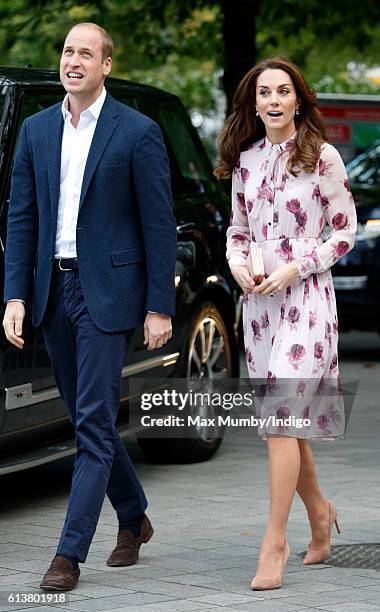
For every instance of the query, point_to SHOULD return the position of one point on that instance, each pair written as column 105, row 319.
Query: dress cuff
column 308, row 264
column 237, row 260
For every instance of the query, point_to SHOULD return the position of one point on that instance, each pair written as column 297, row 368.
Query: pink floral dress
column 292, row 337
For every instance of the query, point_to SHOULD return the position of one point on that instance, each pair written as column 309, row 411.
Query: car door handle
column 185, row 227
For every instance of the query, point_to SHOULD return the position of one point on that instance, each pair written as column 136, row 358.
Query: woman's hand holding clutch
column 278, row 280
column 244, row 279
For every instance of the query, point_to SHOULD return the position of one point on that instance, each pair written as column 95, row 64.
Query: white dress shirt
column 76, row 142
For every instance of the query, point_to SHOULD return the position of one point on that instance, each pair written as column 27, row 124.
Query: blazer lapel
column 54, row 129
column 105, row 127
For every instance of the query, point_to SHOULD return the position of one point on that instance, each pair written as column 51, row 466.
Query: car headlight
column 369, row 229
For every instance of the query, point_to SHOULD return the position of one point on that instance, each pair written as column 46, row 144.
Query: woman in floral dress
column 287, row 183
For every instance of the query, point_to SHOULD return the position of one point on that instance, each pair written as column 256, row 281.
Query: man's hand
column 12, row 323
column 278, row 280
column 157, row 330
column 244, row 279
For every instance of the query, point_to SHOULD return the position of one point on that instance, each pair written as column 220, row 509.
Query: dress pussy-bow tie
column 266, row 191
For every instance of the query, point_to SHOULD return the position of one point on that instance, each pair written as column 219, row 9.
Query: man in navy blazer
column 92, row 242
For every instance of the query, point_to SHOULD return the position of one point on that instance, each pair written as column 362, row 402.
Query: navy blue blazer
column 126, row 230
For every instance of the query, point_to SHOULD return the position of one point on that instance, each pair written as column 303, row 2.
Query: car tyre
column 208, row 349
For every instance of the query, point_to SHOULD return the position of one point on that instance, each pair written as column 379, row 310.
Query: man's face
column 82, row 68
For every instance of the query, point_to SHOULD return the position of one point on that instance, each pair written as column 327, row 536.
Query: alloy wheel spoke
column 202, row 337
column 196, row 360
column 210, row 339
column 217, row 352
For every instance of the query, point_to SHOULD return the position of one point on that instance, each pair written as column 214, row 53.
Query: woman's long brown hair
column 243, row 127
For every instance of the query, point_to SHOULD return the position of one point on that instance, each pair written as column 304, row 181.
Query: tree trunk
column 239, row 35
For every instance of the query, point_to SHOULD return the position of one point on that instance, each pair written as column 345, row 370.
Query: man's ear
column 107, row 66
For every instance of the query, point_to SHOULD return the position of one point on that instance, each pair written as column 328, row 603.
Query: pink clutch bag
column 255, row 262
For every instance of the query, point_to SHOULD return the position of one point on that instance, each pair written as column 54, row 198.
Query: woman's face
column 276, row 103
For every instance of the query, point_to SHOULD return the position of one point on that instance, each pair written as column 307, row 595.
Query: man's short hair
column 107, row 42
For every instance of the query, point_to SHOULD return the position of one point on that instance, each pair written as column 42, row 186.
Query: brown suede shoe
column 128, row 547
column 61, row 576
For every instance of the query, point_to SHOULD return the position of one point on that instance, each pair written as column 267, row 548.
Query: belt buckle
column 63, row 269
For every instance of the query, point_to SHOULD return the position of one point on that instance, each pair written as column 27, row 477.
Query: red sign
column 353, row 113
column 338, row 132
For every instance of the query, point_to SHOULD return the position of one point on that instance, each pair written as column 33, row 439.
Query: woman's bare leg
column 308, row 489
column 284, row 469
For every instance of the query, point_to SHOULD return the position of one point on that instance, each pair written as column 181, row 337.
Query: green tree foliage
column 179, row 44
column 323, row 38
column 156, row 42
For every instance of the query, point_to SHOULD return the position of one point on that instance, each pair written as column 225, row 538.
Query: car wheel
column 208, row 351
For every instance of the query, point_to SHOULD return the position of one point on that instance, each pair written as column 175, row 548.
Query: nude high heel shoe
column 317, row 555
column 276, row 583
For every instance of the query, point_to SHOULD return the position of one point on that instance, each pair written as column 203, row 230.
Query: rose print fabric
column 291, row 339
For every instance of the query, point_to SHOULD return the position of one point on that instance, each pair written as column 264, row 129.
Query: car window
column 7, row 105
column 2, row 102
column 189, row 168
column 128, row 101
column 34, row 102
column 365, row 169
column 2, row 99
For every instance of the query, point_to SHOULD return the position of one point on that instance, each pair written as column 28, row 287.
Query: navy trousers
column 87, row 364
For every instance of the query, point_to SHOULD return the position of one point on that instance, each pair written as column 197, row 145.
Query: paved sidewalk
column 209, row 520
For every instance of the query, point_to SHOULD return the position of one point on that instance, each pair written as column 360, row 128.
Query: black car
column 34, row 427
column 357, row 274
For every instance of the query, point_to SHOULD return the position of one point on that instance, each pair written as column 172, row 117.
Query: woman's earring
column 297, row 112
column 257, row 113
